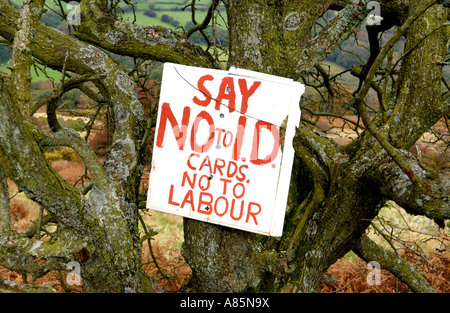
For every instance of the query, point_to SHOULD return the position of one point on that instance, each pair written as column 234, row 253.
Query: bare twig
column 205, row 23
column 369, row 250
column 148, row 236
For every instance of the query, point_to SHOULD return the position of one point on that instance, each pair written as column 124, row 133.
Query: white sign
column 219, row 154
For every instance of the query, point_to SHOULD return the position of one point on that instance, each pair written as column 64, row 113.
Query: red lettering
column 203, row 115
column 226, row 92
column 232, row 209
column 188, row 198
column 202, row 88
column 225, row 182
column 254, row 157
column 226, row 206
column 205, row 206
column 243, row 176
column 190, row 182
column 202, row 186
column 189, row 161
column 239, row 137
column 253, row 214
column 231, row 172
column 180, row 134
column 242, row 191
column 206, row 162
column 171, row 197
column 218, row 167
column 228, row 134
column 220, row 130
column 246, row 93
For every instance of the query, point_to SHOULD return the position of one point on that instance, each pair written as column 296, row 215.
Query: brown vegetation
column 352, row 275
column 172, row 271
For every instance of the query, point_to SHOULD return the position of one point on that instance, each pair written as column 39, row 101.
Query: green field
column 169, row 8
column 36, row 74
column 180, row 16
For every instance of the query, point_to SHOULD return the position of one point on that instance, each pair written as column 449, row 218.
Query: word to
column 223, row 147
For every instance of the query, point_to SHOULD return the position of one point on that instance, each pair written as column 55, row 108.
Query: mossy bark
column 402, row 269
column 335, row 191
column 4, row 205
column 314, row 235
column 105, row 221
column 413, row 113
column 154, row 42
column 92, row 231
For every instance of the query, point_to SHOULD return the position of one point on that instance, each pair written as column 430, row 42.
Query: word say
column 223, row 147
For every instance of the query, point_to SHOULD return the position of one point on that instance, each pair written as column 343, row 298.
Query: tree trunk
column 227, row 260
column 100, row 230
column 334, row 194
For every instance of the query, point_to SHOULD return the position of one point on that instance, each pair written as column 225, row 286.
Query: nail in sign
column 223, row 147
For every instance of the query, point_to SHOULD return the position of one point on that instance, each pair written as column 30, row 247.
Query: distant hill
column 170, row 13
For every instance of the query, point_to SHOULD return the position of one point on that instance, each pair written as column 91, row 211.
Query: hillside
column 177, row 15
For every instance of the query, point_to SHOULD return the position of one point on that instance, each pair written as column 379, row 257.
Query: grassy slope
column 181, row 16
column 36, row 75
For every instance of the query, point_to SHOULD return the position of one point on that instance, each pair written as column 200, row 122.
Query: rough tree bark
column 335, row 190
column 348, row 184
column 98, row 231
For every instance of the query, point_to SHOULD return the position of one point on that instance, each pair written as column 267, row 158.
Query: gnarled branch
column 434, row 200
column 329, row 38
column 359, row 98
column 148, row 42
column 70, row 138
column 7, row 286
column 370, row 251
column 22, row 51
column 24, row 255
column 319, row 153
column 23, row 161
column 208, row 17
column 57, row 50
column 69, row 84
